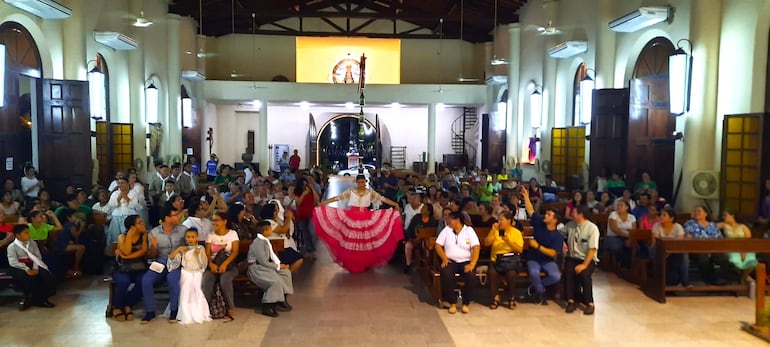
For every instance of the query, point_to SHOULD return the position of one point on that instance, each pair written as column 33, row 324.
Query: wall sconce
column 187, row 121
column 2, row 75
column 96, row 90
column 586, row 95
column 151, row 97
column 679, row 78
column 536, row 105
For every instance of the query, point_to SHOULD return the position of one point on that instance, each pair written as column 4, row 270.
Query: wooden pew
column 423, row 239
column 656, row 288
column 639, row 237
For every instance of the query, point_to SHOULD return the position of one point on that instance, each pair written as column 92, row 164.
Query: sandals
column 119, row 315
column 495, row 303
column 512, row 304
column 129, row 315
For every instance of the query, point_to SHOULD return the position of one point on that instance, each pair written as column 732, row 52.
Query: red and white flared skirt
column 358, row 239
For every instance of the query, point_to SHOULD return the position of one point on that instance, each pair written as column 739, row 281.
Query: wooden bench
column 556, row 206
column 241, row 282
column 435, row 274
column 656, row 288
column 639, row 237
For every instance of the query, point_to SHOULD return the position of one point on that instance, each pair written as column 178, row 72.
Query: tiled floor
column 384, row 307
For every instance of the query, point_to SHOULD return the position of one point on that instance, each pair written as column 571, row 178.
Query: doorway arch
column 23, row 64
column 335, row 137
column 650, row 127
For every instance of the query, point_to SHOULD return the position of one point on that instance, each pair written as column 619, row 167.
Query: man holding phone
column 543, row 249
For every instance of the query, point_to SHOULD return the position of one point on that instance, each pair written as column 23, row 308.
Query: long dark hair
column 130, row 221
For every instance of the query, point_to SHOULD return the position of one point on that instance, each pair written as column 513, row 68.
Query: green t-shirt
column 645, row 187
column 615, row 184
column 41, row 232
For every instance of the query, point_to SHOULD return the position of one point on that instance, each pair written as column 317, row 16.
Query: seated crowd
column 186, row 232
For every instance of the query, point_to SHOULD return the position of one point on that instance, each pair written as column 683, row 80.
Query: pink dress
column 359, row 238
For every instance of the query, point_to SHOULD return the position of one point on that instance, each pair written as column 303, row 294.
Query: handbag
column 508, row 262
column 220, row 258
column 218, row 306
column 131, row 265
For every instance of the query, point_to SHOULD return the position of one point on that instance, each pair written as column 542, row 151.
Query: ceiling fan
column 549, row 29
column 462, row 14
column 495, row 59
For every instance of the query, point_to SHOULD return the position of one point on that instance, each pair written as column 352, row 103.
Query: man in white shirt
column 412, row 208
column 458, row 248
column 580, row 263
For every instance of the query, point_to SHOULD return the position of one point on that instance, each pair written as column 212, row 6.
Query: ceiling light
column 349, row 105
column 304, row 105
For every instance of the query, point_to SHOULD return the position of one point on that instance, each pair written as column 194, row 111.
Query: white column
column 74, row 38
column 263, row 153
column 431, row 138
column 136, row 78
column 173, row 124
column 700, row 122
column 515, row 124
column 605, row 46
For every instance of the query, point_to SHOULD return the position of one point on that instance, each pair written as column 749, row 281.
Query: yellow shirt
column 500, row 246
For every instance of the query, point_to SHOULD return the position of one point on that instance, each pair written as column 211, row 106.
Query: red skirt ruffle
column 358, row 239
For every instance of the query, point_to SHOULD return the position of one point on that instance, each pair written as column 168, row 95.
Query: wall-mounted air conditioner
column 193, row 75
column 115, row 40
column 641, row 18
column 568, row 49
column 47, row 9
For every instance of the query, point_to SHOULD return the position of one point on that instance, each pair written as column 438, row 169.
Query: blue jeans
column 617, row 245
column 172, row 280
column 123, row 297
column 553, row 275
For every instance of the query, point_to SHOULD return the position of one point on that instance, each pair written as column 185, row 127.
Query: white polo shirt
column 457, row 246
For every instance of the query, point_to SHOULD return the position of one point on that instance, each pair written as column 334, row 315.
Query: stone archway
column 333, row 141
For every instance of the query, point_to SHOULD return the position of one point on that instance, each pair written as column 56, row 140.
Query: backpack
column 217, row 306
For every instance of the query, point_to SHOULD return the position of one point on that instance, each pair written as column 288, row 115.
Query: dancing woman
column 359, row 238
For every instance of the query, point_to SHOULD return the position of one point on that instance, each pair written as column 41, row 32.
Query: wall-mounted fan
column 705, row 184
column 544, row 166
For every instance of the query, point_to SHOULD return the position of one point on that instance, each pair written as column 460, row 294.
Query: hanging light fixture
column 679, row 78
column 587, row 85
column 96, row 90
column 187, row 121
column 2, row 75
column 536, row 106
column 151, row 95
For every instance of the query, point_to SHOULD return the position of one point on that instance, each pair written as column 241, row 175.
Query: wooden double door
column 631, row 132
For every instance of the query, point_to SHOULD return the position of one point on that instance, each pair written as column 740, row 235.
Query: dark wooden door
column 650, row 129
column 492, row 144
column 609, row 127
column 64, row 134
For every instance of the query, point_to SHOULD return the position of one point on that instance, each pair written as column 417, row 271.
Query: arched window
column 653, row 59
column 580, row 73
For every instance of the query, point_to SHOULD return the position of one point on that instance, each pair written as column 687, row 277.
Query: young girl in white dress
column 193, row 307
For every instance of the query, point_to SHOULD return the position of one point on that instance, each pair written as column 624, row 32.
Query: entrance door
column 650, row 127
column 609, row 127
column 64, row 134
column 492, row 145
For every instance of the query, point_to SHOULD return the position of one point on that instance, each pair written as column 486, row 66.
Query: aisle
column 336, row 308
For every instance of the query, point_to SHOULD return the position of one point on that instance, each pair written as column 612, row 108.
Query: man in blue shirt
column 543, row 249
column 211, row 168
